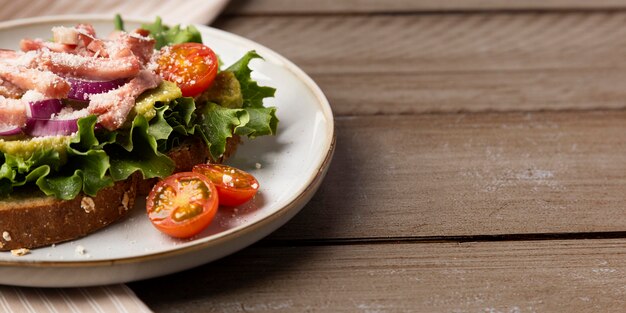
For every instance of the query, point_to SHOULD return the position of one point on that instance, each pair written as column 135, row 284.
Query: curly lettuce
column 92, row 160
column 165, row 35
column 220, row 122
column 214, row 116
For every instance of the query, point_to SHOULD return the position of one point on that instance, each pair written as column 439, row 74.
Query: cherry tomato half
column 192, row 66
column 183, row 204
column 234, row 186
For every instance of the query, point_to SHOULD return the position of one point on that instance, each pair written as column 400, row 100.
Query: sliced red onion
column 9, row 130
column 82, row 89
column 46, row 127
column 45, row 109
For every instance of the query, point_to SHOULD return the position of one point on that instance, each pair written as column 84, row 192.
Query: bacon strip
column 9, row 90
column 88, row 67
column 12, row 112
column 126, row 44
column 9, row 54
column 113, row 107
column 81, row 40
column 38, row 44
column 49, row 84
column 77, row 52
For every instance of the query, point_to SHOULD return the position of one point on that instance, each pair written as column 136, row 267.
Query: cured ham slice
column 113, row 107
column 81, row 40
column 38, row 44
column 46, row 83
column 126, row 44
column 88, row 67
column 9, row 90
column 76, row 52
column 12, row 112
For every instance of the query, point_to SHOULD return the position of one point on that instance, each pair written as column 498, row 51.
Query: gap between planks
column 441, row 239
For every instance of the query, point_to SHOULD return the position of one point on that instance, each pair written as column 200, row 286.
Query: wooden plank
column 409, row 6
column 470, row 174
column 411, row 64
column 389, row 93
column 442, row 43
column 534, row 276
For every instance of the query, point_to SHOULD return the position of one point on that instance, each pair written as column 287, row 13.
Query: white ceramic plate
column 171, row 11
column 293, row 165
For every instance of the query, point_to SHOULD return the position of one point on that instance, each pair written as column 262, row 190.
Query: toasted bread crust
column 30, row 222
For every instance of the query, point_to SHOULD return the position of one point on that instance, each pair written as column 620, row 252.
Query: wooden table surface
column 480, row 162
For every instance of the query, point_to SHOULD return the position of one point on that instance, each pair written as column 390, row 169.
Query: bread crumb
column 80, row 250
column 1, row 245
column 87, row 204
column 20, row 252
column 6, row 236
column 257, row 165
column 125, row 201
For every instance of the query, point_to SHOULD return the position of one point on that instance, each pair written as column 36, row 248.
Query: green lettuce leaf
column 88, row 172
column 218, row 124
column 165, row 35
column 62, row 187
column 253, row 94
column 118, row 23
column 262, row 122
column 138, row 151
column 179, row 116
column 17, row 170
column 159, row 128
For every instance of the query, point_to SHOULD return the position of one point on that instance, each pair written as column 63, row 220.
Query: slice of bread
column 28, row 221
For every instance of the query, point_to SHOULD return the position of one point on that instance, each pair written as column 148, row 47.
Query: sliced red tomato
column 183, row 204
column 192, row 66
column 234, row 186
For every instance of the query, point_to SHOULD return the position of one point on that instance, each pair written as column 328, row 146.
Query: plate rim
column 217, row 239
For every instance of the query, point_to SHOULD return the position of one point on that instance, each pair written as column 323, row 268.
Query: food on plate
column 183, row 204
column 89, row 122
column 193, row 66
column 234, row 186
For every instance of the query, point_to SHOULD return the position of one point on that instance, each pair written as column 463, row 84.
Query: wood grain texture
column 470, row 174
column 417, row 93
column 409, row 6
column 551, row 161
column 533, row 276
column 451, row 63
column 442, row 43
